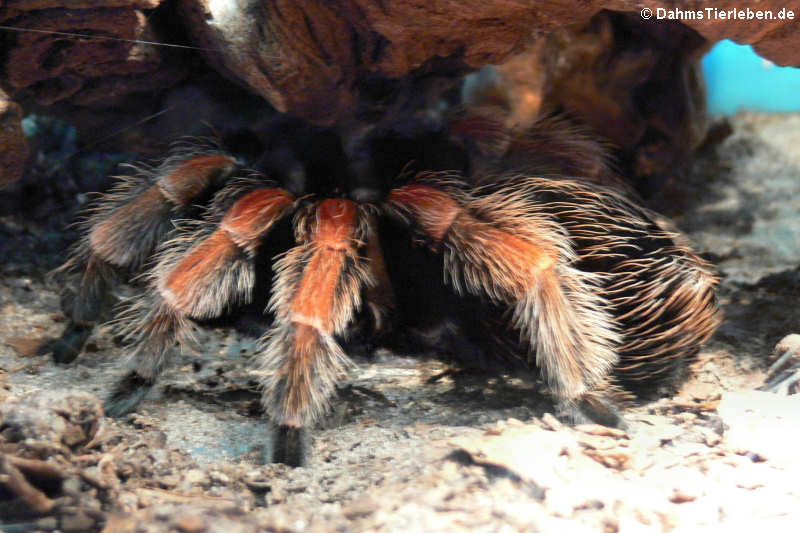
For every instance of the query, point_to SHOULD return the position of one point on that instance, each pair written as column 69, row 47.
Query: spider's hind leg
column 154, row 328
column 84, row 306
column 206, row 269
column 122, row 232
column 497, row 246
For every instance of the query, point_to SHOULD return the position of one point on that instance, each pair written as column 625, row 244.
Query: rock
column 50, row 421
column 783, row 376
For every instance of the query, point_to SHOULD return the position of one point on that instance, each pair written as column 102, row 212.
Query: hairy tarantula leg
column 87, row 304
column 130, row 233
column 217, row 271
column 124, row 230
column 499, row 247
column 198, row 276
column 316, row 294
column 69, row 345
column 155, row 332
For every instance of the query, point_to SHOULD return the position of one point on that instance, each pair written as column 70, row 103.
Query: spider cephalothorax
column 564, row 275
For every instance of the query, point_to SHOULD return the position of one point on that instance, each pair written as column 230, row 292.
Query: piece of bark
column 308, row 57
column 44, row 66
column 317, row 59
column 102, row 83
column 637, row 84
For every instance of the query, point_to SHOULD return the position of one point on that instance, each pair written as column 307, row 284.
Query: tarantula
column 409, row 226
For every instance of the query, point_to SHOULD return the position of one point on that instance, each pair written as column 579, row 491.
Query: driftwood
column 312, row 58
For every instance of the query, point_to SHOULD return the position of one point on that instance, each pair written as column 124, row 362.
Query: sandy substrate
column 405, row 452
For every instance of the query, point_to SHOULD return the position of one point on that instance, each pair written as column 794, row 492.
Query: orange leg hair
column 123, row 231
column 129, row 222
column 495, row 246
column 127, row 231
column 201, row 273
column 317, row 291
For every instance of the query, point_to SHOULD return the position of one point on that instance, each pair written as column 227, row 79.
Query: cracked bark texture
column 320, row 59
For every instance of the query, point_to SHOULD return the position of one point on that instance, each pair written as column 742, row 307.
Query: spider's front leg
column 317, row 291
column 498, row 247
column 124, row 229
column 201, row 273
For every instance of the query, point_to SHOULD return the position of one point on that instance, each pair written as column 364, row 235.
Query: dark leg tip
column 127, row 394
column 591, row 409
column 289, row 446
column 69, row 345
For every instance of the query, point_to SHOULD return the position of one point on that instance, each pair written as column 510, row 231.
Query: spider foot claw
column 289, row 445
column 69, row 345
column 591, row 408
column 127, row 394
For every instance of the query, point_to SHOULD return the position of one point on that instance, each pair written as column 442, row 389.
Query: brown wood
column 307, row 57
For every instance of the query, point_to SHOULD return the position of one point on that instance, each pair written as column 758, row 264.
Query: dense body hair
column 654, row 285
